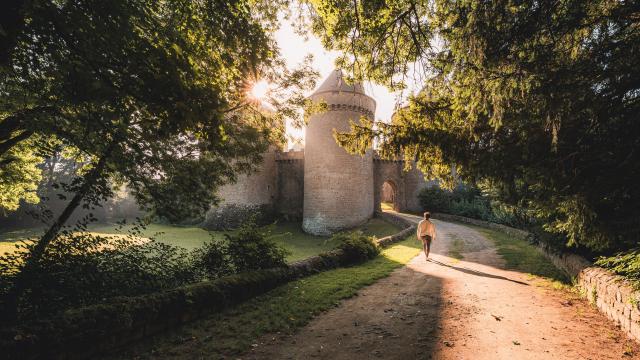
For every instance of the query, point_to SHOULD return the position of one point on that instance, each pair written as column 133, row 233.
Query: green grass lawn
column 521, row 256
column 283, row 309
column 288, row 235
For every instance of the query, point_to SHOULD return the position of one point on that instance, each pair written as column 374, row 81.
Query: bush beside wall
column 232, row 216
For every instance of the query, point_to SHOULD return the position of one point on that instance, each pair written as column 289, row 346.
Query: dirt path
column 450, row 309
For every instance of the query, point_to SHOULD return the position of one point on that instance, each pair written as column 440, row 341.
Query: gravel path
column 451, row 309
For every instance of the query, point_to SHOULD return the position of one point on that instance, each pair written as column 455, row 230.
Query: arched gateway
column 323, row 185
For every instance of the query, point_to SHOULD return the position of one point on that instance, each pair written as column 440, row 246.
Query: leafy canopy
column 156, row 88
column 536, row 101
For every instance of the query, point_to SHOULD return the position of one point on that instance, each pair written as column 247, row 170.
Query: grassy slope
column 281, row 310
column 522, row 256
column 288, row 235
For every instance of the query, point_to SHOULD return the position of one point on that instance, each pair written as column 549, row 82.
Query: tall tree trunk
column 31, row 262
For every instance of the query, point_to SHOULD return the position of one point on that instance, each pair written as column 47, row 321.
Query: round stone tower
column 338, row 187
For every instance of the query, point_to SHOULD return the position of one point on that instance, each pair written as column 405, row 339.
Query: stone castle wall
column 406, row 184
column 278, row 188
column 389, row 171
column 414, row 182
column 250, row 194
column 329, row 188
column 290, row 183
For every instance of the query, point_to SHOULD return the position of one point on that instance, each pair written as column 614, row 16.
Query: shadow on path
column 476, row 272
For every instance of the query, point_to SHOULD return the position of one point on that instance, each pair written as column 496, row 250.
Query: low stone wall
column 83, row 332
column 610, row 293
column 407, row 228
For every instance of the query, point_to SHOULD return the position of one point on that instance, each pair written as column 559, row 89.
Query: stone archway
column 389, row 199
column 389, row 185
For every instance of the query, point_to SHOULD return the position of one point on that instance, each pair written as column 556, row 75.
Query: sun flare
column 260, row 90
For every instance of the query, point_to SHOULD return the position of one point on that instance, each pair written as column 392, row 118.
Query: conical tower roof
column 335, row 82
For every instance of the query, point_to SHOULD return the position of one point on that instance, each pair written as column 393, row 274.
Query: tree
column 538, row 101
column 19, row 178
column 153, row 91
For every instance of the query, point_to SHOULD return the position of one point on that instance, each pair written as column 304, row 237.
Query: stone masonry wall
column 338, row 186
column 290, row 184
column 407, row 184
column 414, row 182
column 389, row 171
column 250, row 194
column 610, row 293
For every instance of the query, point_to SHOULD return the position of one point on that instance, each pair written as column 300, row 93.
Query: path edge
column 610, row 293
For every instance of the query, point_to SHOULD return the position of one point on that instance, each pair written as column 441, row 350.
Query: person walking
column 426, row 232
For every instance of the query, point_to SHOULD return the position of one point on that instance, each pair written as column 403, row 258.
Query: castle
column 328, row 188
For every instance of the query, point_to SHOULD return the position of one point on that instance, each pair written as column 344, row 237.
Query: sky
column 294, row 48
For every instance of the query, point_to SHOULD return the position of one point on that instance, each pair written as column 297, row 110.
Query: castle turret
column 338, row 187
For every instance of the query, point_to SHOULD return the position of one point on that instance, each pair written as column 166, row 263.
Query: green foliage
column 98, row 329
column 435, row 199
column 539, row 100
column 357, row 246
column 250, row 249
column 626, row 264
column 466, row 201
column 155, row 95
column 81, row 268
column 212, row 259
column 476, row 208
column 173, row 121
column 19, row 177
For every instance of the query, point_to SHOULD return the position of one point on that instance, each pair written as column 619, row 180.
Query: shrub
column 250, row 249
column 626, row 264
column 356, row 246
column 212, row 260
column 468, row 201
column 80, row 268
column 476, row 208
column 434, row 199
